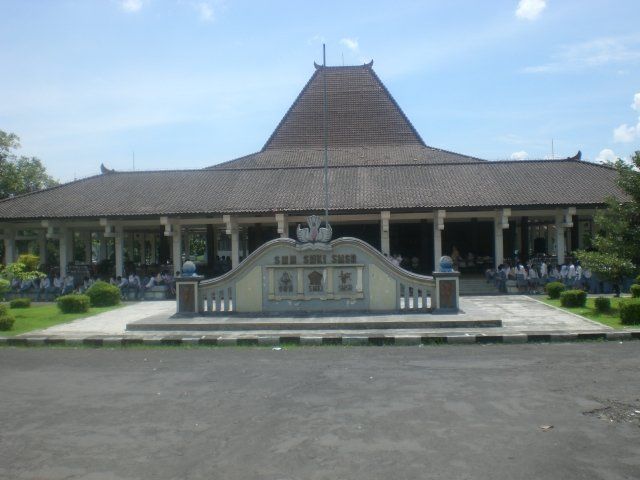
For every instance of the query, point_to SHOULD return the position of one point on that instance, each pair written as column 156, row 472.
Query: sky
column 174, row 84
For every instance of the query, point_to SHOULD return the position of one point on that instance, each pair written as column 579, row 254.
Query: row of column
column 172, row 229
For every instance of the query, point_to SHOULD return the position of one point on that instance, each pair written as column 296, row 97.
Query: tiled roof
column 480, row 185
column 345, row 156
column 365, row 126
column 360, row 111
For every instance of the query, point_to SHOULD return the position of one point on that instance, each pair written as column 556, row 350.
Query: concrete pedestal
column 447, row 292
column 187, row 294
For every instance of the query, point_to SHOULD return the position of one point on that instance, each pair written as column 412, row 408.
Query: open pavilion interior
column 386, row 186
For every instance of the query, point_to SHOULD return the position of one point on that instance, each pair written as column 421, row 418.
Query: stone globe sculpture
column 446, row 264
column 188, row 269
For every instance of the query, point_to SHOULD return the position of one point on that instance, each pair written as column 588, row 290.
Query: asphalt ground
column 534, row 411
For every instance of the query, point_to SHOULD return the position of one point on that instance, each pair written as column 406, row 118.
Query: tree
column 20, row 174
column 616, row 244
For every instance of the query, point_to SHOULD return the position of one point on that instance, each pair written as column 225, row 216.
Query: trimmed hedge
column 6, row 319
column 630, row 312
column 6, row 322
column 554, row 289
column 73, row 303
column 103, row 294
column 602, row 304
column 573, row 298
column 20, row 303
column 635, row 291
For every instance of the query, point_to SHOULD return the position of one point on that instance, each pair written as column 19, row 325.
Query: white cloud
column 594, row 53
column 530, row 9
column 350, row 43
column 205, row 10
column 606, row 155
column 636, row 102
column 626, row 133
column 131, row 5
column 521, row 155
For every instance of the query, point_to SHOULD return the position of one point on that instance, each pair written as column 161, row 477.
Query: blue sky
column 186, row 84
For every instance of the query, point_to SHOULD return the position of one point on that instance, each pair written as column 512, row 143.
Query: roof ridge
column 64, row 184
column 393, row 100
column 288, row 112
column 410, row 164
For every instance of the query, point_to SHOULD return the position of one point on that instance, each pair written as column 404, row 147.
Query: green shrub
column 602, row 304
column 6, row 319
column 637, row 282
column 73, row 303
column 31, row 262
column 630, row 312
column 635, row 291
column 573, row 298
column 554, row 289
column 20, row 303
column 4, row 287
column 103, row 294
column 6, row 322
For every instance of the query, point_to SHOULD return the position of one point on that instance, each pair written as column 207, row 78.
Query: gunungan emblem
column 314, row 233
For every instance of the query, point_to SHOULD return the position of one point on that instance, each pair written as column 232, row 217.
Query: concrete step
column 477, row 286
column 240, row 324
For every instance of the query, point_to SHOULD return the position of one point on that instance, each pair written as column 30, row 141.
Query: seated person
column 134, row 284
column 154, row 281
column 69, row 285
column 43, row 288
column 123, row 284
column 56, row 288
column 86, row 284
column 26, row 286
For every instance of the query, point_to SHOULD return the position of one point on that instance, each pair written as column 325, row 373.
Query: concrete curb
column 112, row 341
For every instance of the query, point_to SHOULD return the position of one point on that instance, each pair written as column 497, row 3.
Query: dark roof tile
column 478, row 185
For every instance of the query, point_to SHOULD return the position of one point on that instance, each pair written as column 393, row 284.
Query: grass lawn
column 47, row 315
column 611, row 319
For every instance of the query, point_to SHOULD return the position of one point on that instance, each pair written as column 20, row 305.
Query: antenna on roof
column 325, row 128
column 553, row 155
column 133, row 159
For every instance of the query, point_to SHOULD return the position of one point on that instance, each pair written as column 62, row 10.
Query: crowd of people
column 411, row 264
column 52, row 286
column 531, row 277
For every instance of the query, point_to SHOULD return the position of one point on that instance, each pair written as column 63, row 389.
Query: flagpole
column 326, row 135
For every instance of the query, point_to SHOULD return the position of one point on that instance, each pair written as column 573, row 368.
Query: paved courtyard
column 518, row 314
column 536, row 411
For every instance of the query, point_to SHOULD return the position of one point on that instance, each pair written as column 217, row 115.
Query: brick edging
column 317, row 340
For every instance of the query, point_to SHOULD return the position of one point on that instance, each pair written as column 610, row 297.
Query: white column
column 9, row 246
column 118, row 241
column 564, row 220
column 385, row 216
column 42, row 246
column 283, row 225
column 500, row 223
column 438, row 226
column 176, row 252
column 64, row 239
column 232, row 229
column 560, row 238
